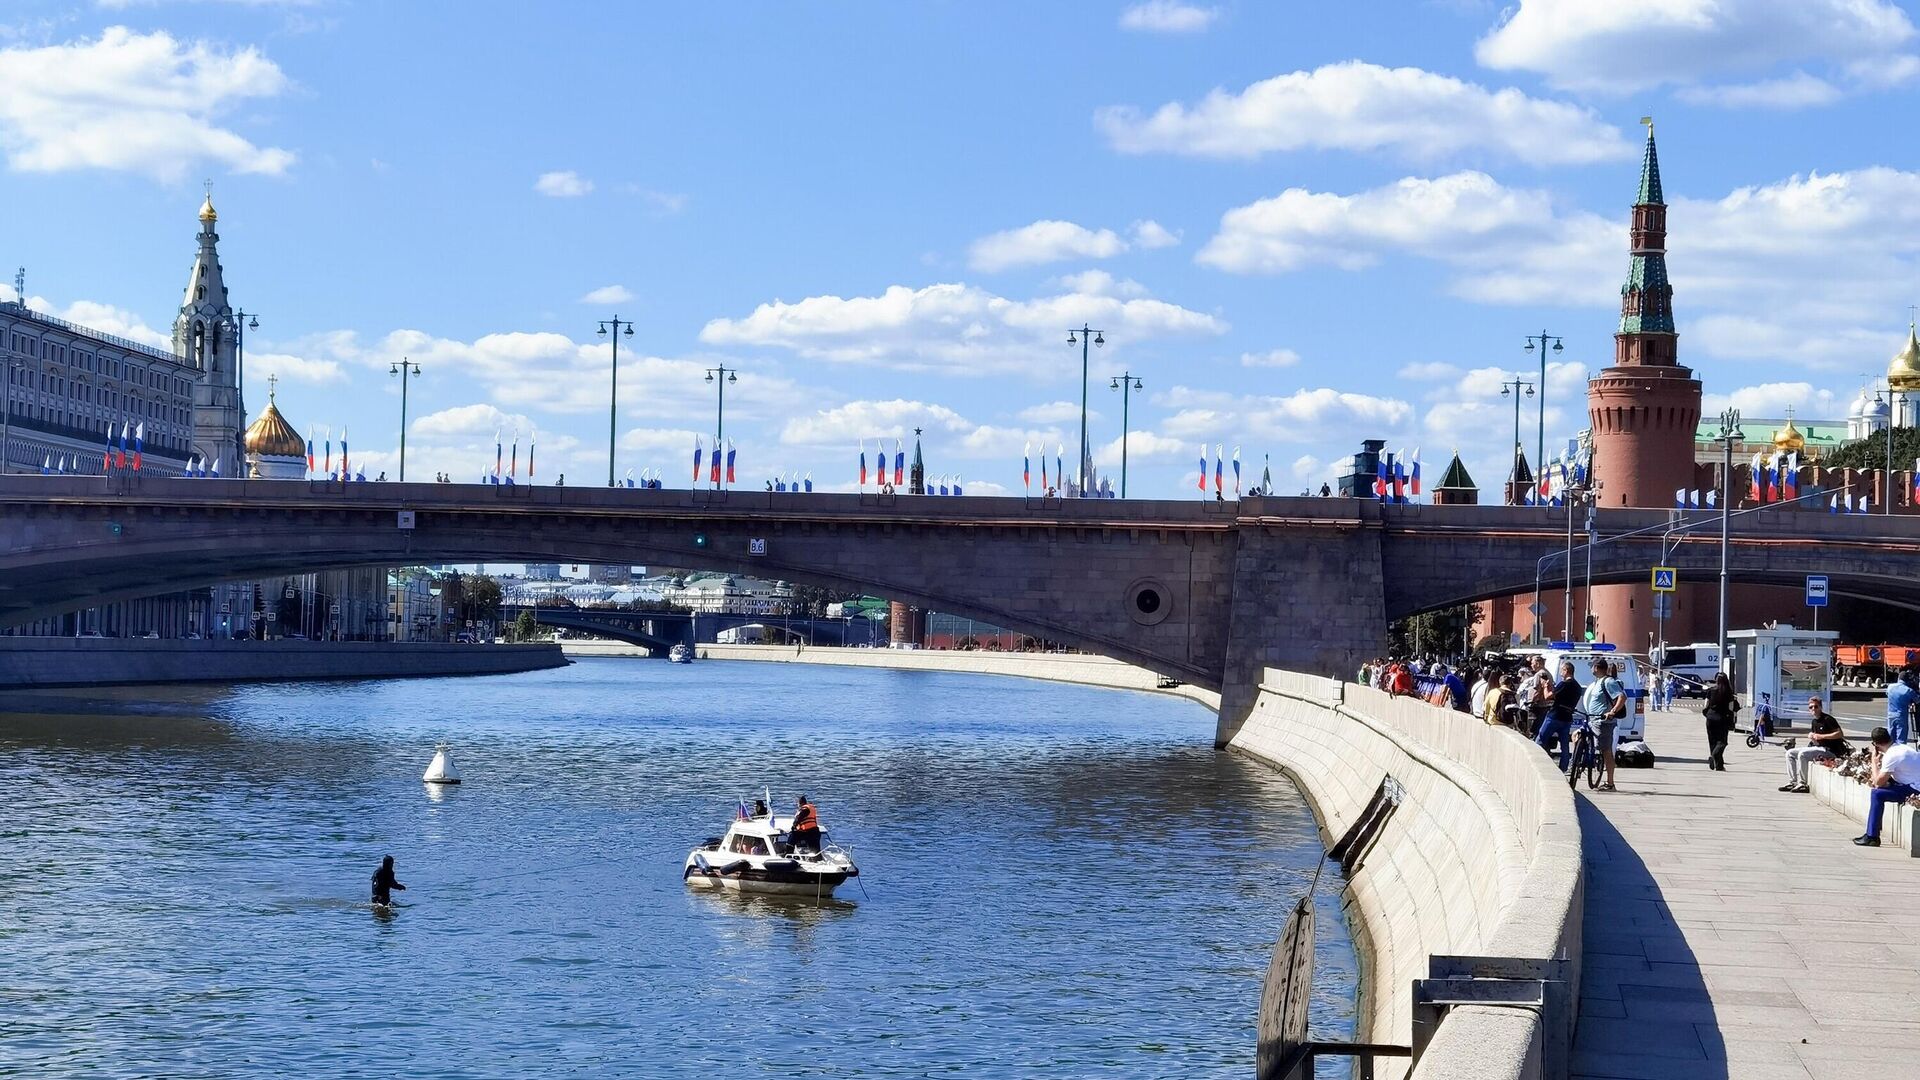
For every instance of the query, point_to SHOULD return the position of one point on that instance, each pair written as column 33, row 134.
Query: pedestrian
column 1456, row 688
column 1482, row 686
column 1895, row 779
column 1604, row 703
column 1557, row 728
column 1901, row 698
column 383, row 881
column 1721, row 711
column 1825, row 742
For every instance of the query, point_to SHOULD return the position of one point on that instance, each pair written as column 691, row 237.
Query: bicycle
column 1585, row 755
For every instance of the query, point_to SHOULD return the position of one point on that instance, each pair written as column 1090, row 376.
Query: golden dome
column 1789, row 438
column 272, row 436
column 1903, row 374
column 206, row 209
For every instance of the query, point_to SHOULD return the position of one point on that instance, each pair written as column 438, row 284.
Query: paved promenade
column 1732, row 931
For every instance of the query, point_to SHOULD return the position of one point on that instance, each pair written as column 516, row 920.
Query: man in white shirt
column 1896, row 776
column 1477, row 703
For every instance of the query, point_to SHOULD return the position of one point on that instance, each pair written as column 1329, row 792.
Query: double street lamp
column 1125, row 382
column 720, row 377
column 1086, row 336
column 1540, row 451
column 1513, row 389
column 613, row 390
column 1727, row 436
column 401, row 369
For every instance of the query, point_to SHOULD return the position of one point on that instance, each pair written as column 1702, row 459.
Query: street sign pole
column 1817, row 593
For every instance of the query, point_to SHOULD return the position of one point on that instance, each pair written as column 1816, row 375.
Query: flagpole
column 1729, row 433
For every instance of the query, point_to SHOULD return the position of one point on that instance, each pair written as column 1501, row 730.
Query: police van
column 1633, row 723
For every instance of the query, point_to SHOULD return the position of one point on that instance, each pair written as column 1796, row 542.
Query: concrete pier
column 31, row 661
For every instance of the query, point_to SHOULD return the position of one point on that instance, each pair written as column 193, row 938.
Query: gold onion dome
column 1789, row 438
column 272, row 436
column 206, row 209
column 1904, row 373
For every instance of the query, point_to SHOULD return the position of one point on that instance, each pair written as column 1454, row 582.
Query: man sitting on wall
column 1896, row 776
column 1825, row 743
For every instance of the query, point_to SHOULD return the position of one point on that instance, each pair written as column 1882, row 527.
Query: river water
column 1059, row 879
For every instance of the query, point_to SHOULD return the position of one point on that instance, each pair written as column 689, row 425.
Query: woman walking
column 1721, row 710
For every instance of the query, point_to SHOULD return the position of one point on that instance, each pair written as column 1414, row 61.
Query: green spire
column 1650, row 176
column 1456, row 478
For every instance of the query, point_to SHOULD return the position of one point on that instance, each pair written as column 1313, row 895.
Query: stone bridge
column 1210, row 593
column 659, row 631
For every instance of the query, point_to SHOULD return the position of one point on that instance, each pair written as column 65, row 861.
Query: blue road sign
column 1816, row 590
column 1664, row 578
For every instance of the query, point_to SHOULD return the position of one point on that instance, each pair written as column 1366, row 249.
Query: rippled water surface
column 1059, row 880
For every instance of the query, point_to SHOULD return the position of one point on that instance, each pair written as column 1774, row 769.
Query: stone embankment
column 1482, row 858
column 49, row 661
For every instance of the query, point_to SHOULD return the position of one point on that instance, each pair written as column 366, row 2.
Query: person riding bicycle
column 1603, row 704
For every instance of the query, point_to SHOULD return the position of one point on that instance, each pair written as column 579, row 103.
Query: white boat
column 680, row 654
column 756, row 856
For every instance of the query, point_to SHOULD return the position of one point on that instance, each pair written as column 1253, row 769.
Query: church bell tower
column 205, row 338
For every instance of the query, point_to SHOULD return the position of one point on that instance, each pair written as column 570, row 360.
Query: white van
column 1633, row 724
column 1696, row 664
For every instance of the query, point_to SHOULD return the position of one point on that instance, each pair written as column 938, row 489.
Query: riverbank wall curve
column 1482, row 858
column 56, row 662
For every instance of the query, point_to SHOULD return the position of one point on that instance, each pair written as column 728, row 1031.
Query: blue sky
column 1300, row 227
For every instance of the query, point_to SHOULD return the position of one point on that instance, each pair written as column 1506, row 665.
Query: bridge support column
column 1308, row 600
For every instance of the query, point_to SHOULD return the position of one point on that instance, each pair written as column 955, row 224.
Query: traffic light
column 1593, row 628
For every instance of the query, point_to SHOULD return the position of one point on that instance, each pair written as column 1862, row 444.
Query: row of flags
column 1774, row 479
column 1058, row 482
column 880, row 463
column 1396, row 477
column 699, row 449
column 1219, row 470
column 497, row 478
column 117, row 457
column 326, row 467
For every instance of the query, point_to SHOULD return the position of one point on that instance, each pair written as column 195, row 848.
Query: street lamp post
column 720, row 377
column 400, row 369
column 613, row 390
column 1125, row 382
column 1728, row 434
column 1513, row 389
column 1087, row 336
column 1540, row 451
column 243, row 321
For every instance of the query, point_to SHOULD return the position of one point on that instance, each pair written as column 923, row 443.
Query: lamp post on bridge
column 1087, row 336
column 400, row 369
column 613, row 390
column 1513, row 389
column 720, row 377
column 1728, row 434
column 243, row 321
column 1125, row 382
column 1540, row 450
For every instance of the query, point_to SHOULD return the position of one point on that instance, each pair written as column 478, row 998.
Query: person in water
column 805, row 832
column 383, row 881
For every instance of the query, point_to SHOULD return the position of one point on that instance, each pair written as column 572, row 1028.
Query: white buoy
column 440, row 770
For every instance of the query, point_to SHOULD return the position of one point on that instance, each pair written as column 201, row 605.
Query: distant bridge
column 660, row 631
column 1207, row 592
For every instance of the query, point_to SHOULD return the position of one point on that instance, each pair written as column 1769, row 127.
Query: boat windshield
column 742, row 844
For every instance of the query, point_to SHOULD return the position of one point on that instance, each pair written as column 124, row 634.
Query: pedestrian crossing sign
column 1664, row 578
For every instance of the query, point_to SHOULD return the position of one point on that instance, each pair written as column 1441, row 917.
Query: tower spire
column 1649, row 171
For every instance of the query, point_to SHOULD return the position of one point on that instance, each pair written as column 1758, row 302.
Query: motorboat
column 680, row 654
column 757, row 856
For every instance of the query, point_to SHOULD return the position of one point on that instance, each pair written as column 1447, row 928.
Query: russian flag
column 309, row 455
column 1679, row 498
column 1236, row 472
column 1380, row 477
column 1026, row 467
column 730, row 461
column 529, row 457
column 513, row 463
column 106, row 459
column 1756, row 474
column 699, row 445
column 899, row 464
column 1219, row 467
column 863, row 463
column 344, row 470
column 1060, row 465
column 46, row 467
column 139, row 443
column 808, row 483
column 1790, row 479
column 1416, row 472
column 713, row 463
column 1399, row 478
column 1203, row 467
column 120, row 459
column 327, row 465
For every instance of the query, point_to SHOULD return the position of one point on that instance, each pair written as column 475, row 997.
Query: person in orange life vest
column 805, row 832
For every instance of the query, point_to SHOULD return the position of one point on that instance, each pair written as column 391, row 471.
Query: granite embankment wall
column 28, row 661
column 1056, row 667
column 1482, row 858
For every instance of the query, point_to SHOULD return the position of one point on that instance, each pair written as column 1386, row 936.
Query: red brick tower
column 1644, row 409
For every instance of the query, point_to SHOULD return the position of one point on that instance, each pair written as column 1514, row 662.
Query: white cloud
column 1053, row 412
column 1149, row 235
column 1624, row 46
column 662, row 202
column 1774, row 399
column 296, row 368
column 664, row 441
column 1272, row 358
column 1043, row 241
column 608, row 294
column 1098, row 283
column 847, row 424
column 1428, row 371
column 103, row 317
column 127, row 101
column 1313, row 415
column 1797, row 91
column 565, row 184
column 1142, row 446
column 953, row 327
column 470, row 422
column 1167, row 17
column 1410, row 113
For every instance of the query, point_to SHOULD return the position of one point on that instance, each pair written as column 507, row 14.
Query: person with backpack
column 1603, row 703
